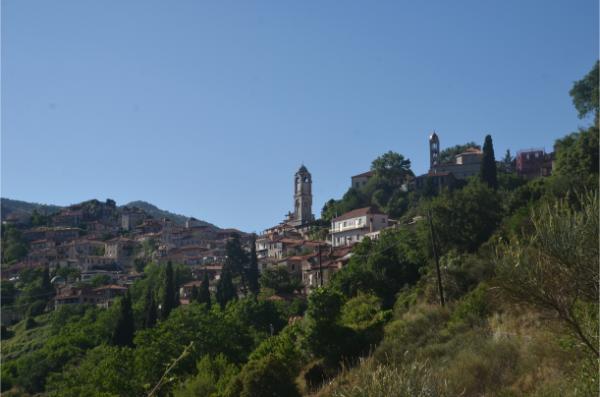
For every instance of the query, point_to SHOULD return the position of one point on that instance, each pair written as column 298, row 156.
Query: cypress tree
column 225, row 288
column 204, row 292
column 150, row 310
column 253, row 285
column 125, row 328
column 488, row 164
column 194, row 294
column 236, row 256
column 168, row 297
column 46, row 284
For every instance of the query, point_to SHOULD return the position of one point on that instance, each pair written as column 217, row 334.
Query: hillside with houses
column 478, row 277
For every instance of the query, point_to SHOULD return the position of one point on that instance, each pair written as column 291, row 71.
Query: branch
column 157, row 387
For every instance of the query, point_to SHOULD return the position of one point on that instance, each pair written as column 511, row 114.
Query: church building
column 463, row 165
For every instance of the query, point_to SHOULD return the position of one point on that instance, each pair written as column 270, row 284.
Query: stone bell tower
column 434, row 152
column 302, row 197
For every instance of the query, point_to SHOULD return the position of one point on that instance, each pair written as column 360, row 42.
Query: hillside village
column 477, row 278
column 96, row 250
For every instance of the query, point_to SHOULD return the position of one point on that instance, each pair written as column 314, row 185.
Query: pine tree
column 488, row 164
column 125, row 328
column 150, row 310
column 253, row 285
column 225, row 288
column 204, row 292
column 168, row 297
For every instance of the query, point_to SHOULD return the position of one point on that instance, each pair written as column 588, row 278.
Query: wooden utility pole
column 437, row 260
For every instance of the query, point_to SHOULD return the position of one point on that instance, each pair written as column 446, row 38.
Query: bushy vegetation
column 518, row 265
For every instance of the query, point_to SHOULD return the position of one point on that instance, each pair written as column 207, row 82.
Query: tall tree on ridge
column 489, row 174
column 225, row 288
column 150, row 310
column 253, row 285
column 204, row 292
column 236, row 256
column 168, row 298
column 125, row 328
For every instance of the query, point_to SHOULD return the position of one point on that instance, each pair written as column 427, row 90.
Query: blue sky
column 208, row 108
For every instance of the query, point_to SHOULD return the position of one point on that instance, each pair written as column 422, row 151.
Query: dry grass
column 513, row 354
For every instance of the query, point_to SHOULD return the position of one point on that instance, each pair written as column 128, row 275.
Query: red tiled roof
column 358, row 212
column 301, row 257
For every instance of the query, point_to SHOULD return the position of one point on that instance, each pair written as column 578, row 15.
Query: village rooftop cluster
column 100, row 240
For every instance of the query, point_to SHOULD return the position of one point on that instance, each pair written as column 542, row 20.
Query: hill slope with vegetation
column 494, row 292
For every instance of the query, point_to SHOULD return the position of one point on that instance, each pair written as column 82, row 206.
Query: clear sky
column 208, row 108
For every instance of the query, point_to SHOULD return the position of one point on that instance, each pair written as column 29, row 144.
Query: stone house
column 131, row 217
column 359, row 181
column 106, row 294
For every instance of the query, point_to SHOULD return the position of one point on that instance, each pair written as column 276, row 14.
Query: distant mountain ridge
column 22, row 210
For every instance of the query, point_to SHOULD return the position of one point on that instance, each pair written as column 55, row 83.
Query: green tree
column 8, row 293
column 194, row 294
column 104, row 371
column 489, row 174
column 328, row 212
column 392, row 166
column 14, row 247
column 204, row 291
column 556, row 267
column 150, row 309
column 447, row 155
column 381, row 267
column 252, row 274
column 463, row 219
column 45, row 283
column 577, row 158
column 225, row 288
column 124, row 328
column 213, row 375
column 324, row 335
column 100, row 279
column 236, row 256
column 585, row 94
column 169, row 293
column 278, row 278
column 266, row 377
column 507, row 162
column 211, row 331
column 38, row 219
